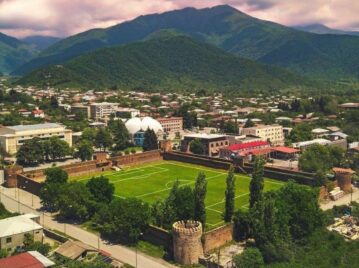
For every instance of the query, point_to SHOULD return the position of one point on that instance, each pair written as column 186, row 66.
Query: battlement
column 187, row 244
column 189, row 227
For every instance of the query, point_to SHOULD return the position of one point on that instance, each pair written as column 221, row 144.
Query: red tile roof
column 247, row 145
column 21, row 261
column 286, row 150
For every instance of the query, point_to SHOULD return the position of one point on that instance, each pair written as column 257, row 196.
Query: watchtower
column 187, row 244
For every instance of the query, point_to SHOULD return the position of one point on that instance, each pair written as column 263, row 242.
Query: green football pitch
column 153, row 181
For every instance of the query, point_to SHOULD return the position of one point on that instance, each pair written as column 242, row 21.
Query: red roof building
column 283, row 152
column 243, row 149
column 31, row 259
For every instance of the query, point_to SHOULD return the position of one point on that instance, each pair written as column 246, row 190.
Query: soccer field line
column 124, row 173
column 239, row 175
column 215, row 210
column 238, row 196
column 168, row 188
column 138, row 177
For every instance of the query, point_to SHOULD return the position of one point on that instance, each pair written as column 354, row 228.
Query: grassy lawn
column 153, row 181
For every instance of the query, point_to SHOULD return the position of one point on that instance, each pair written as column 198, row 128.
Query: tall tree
column 200, row 191
column 150, row 141
column 103, row 139
column 120, row 134
column 229, row 195
column 257, row 182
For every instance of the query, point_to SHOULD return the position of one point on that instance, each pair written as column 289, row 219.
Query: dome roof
column 136, row 124
column 133, row 125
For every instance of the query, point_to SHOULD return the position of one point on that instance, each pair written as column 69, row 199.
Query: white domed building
column 137, row 126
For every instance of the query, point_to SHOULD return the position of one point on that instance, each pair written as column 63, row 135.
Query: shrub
column 250, row 258
column 133, row 150
column 127, row 152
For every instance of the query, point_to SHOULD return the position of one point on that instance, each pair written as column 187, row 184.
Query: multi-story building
column 102, row 109
column 82, row 109
column 271, row 133
column 171, row 124
column 122, row 112
column 12, row 137
column 211, row 142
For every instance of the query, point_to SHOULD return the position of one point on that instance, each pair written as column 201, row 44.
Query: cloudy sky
column 66, row 17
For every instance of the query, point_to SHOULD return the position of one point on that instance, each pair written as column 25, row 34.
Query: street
column 17, row 200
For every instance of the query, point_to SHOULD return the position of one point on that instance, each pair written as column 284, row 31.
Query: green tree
column 229, row 195
column 241, row 225
column 120, row 134
column 150, row 140
column 249, row 123
column 200, row 192
column 52, row 188
column 31, row 245
column 31, row 152
column 84, row 150
column 189, row 118
column 56, row 175
column 101, row 189
column 257, row 182
column 75, row 202
column 301, row 132
column 125, row 220
column 89, row 134
column 249, row 258
column 58, row 148
column 196, row 147
column 103, row 139
column 315, row 158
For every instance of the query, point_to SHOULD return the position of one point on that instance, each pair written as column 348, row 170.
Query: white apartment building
column 271, row 133
column 12, row 137
column 102, row 109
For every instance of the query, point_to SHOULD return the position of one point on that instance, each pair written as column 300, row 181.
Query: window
column 8, row 240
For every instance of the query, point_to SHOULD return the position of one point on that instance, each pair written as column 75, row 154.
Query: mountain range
column 165, row 60
column 317, row 56
column 322, row 29
column 14, row 53
column 41, row 42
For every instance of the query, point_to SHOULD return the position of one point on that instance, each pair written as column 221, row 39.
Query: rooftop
column 204, row 136
column 30, row 259
column 18, row 224
column 35, row 127
column 247, row 145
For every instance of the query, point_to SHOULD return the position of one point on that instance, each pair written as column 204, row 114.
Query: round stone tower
column 344, row 178
column 187, row 244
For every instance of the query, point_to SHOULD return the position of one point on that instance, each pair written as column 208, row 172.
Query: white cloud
column 66, row 17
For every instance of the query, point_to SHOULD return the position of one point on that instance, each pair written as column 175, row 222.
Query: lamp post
column 141, row 234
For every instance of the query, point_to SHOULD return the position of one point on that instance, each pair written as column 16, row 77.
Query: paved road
column 30, row 204
column 345, row 200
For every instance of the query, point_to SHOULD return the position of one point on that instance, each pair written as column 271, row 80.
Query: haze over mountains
column 41, row 42
column 322, row 29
